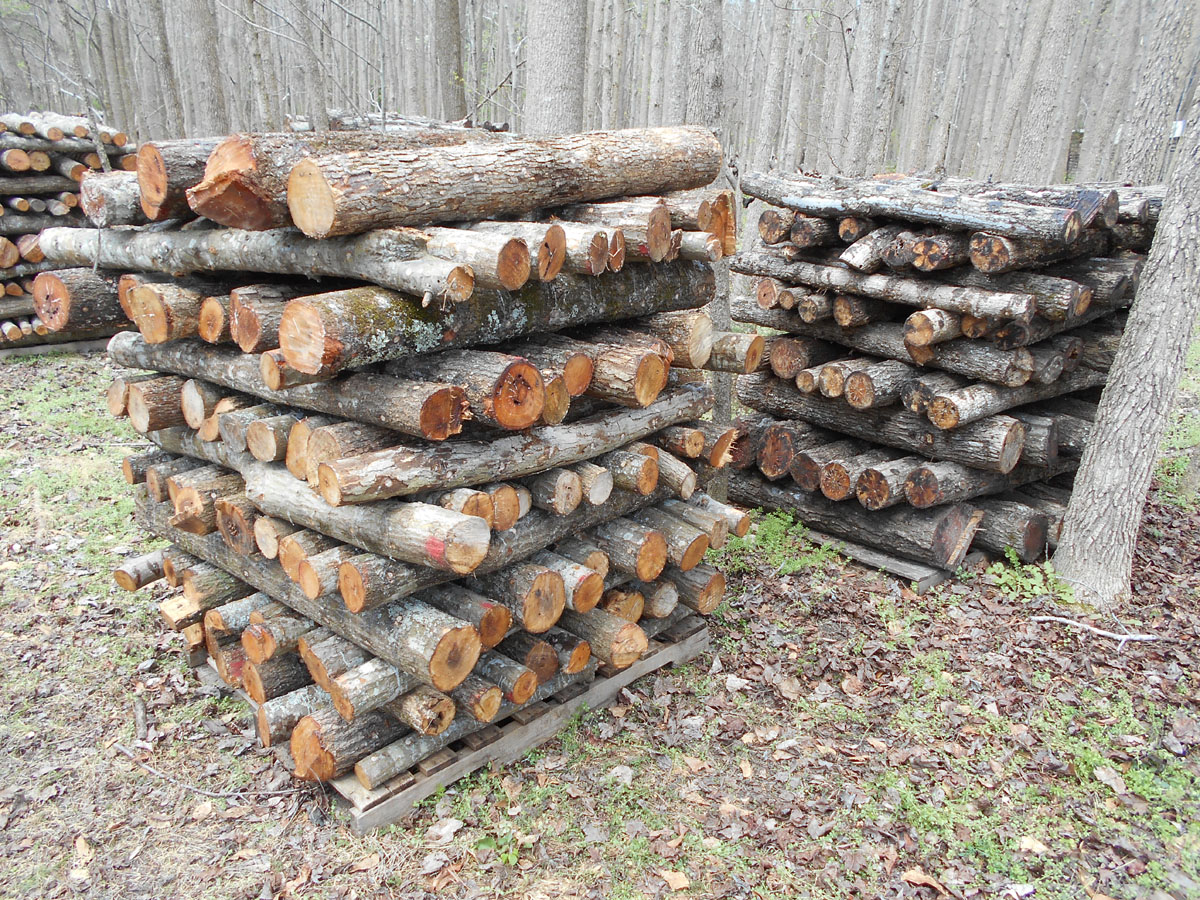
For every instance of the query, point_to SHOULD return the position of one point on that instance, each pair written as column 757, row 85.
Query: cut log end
column 513, row 264
column 311, row 200
column 628, row 646
column 652, row 557
column 544, row 602
column 53, row 300
column 520, row 396
column 454, row 657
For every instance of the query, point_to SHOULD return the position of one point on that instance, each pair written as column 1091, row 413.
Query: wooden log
column 546, row 243
column 175, row 562
column 479, row 697
column 204, row 587
column 850, row 311
column 676, row 475
column 940, row 538
column 34, row 184
column 326, row 333
column 688, row 333
column 775, row 225
column 614, row 640
column 558, row 491
column 328, row 656
column 274, row 678
column 878, row 384
column 931, row 326
column 872, row 197
column 839, row 477
column 583, row 586
column 391, row 473
column 831, row 381
column 492, row 619
column 1041, row 439
column 254, row 313
column 373, row 399
column 682, row 440
column 111, row 198
column 515, row 680
column 299, row 546
column 701, row 589
column 1108, row 279
column 807, row 464
column 941, row 483
column 624, row 602
column 631, row 471
column 323, row 745
column 273, row 632
column 852, row 228
column 275, row 719
column 158, row 477
column 135, row 466
column 236, row 517
column 438, row 649
column 881, row 484
column 866, row 253
column 140, row 571
column 993, row 444
column 585, row 553
column 970, row 403
column 318, row 575
column 686, row 544
column 918, row 394
column 781, row 441
column 632, row 548
column 1054, row 298
column 165, row 171
column 714, row 524
column 503, row 390
column 77, row 299
column 749, row 435
column 268, row 532
column 595, row 482
column 467, row 501
column 276, row 373
column 507, row 504
column 535, row 654
column 233, row 617
column 234, row 426
column 340, row 440
column 812, row 231
column 941, row 251
column 735, row 352
column 909, row 291
column 535, row 594
column 573, row 364
column 154, row 404
column 369, row 686
column 738, row 520
column 995, row 253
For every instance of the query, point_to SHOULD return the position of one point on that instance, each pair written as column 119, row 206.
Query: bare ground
column 846, row 738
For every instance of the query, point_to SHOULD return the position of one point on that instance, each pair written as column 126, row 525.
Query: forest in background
column 1043, row 90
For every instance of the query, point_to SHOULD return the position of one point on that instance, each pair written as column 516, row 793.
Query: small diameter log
column 154, row 404
column 812, row 231
column 941, row 251
column 1056, row 299
column 612, row 639
column 323, row 745
column 713, row 524
column 509, row 503
column 959, row 406
column 788, row 356
column 467, row 501
column 931, row 326
column 76, row 299
column 278, row 375
column 492, row 619
column 735, row 352
column 234, row 425
column 254, row 314
column 852, row 228
column 775, row 225
column 204, row 587
column 318, row 575
column 277, row 634
column 299, row 546
column 329, row 656
column 198, row 400
column 675, row 474
column 807, row 464
column 940, row 483
column 940, row 538
column 624, row 602
column 682, row 440
column 268, row 532
column 686, row 544
column 276, row 677
column 116, row 398
column 866, row 253
column 547, row 244
column 210, row 428
column 341, row 440
column 535, row 654
column 850, row 311
column 158, row 477
column 111, row 198
column 832, row 380
column 165, row 171
column 596, row 482
column 195, row 498
column 660, row 598
column 140, row 571
column 367, row 687
column 993, row 444
column 503, row 390
column 267, row 438
column 585, row 553
column 878, row 384
column 995, row 253
column 839, row 477
column 558, row 491
column 909, row 291
column 882, row 484
column 631, row 471
column 717, row 442
column 701, row 589
column 1007, row 524
column 479, row 697
column 213, row 321
column 688, row 333
column 515, row 680
column 781, row 441
column 632, row 548
column 739, row 520
column 135, row 466
column 235, row 520
column 815, row 307
column 1041, row 439
column 749, row 435
column 275, row 719
column 536, row 595
column 644, row 222
column 583, row 586
column 573, row 652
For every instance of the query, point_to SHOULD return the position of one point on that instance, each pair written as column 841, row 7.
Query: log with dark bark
column 852, row 228
column 1008, row 524
column 993, row 444
column 850, row 311
column 808, row 464
column 939, row 483
column 350, row 192
column 970, row 403
column 140, row 571
column 780, row 443
column 941, row 251
column 897, row 289
column 614, row 640
column 393, row 473
column 735, row 352
column 275, row 719
column 165, row 171
column 370, row 398
column 775, row 225
column 326, row 333
column 876, row 198
column 940, row 538
column 276, row 677
column 77, row 299
column 839, row 477
column 831, row 381
column 632, row 548
column 878, row 384
column 812, row 231
column 994, row 252
column 882, row 485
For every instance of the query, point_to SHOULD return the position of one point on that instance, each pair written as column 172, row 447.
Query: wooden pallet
column 923, row 576
column 684, row 636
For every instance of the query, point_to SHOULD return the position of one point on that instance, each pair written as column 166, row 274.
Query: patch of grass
column 776, row 541
column 1023, row 582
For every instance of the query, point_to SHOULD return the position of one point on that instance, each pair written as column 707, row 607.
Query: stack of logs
column 465, row 472
column 937, row 355
column 46, row 160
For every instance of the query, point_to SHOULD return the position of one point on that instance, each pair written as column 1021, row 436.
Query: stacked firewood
column 463, row 472
column 46, row 162
column 937, row 354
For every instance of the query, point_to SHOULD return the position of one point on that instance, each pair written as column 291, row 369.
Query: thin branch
column 1122, row 639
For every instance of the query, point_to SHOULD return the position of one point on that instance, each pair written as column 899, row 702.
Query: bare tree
column 1043, row 125
column 447, row 41
column 556, row 31
column 1095, row 554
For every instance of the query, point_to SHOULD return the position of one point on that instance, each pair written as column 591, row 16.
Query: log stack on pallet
column 937, row 351
column 47, row 162
column 462, row 474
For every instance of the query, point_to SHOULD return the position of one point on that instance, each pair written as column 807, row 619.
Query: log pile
column 935, row 353
column 461, row 473
column 49, row 167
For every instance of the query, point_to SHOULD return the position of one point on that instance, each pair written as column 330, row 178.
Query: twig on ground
column 198, row 790
column 1121, row 638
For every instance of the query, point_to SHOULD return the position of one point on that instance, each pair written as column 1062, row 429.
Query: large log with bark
column 826, row 197
column 111, row 198
column 326, row 333
column 939, row 483
column 78, row 299
column 349, row 192
column 940, row 538
column 995, row 252
column 165, row 171
column 993, row 444
column 406, row 470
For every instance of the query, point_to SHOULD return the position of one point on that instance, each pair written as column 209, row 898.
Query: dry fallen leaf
column 1030, row 844
column 676, row 881
column 202, row 811
column 366, row 863
column 917, row 876
column 84, row 851
column 877, row 744
column 696, row 765
column 1111, row 777
column 747, row 769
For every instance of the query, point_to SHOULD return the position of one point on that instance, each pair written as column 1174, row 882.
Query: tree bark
column 74, row 299
column 165, row 171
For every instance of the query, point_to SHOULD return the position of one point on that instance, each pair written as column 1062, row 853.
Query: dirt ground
column 846, row 738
